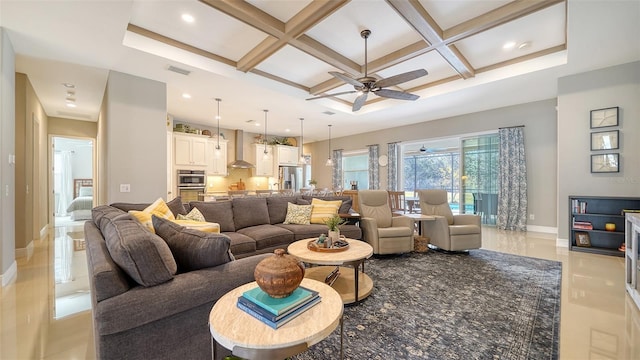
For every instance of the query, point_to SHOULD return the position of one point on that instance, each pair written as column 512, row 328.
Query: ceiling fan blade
column 400, row 78
column 360, row 100
column 331, row 95
column 395, row 94
column 346, row 78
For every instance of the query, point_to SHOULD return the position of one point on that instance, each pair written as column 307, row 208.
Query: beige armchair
column 449, row 232
column 385, row 233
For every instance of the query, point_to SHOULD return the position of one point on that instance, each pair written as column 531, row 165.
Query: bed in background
column 80, row 207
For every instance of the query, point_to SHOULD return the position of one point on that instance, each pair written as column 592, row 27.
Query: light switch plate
column 125, row 188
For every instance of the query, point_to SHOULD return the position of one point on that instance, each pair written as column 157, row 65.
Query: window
column 355, row 168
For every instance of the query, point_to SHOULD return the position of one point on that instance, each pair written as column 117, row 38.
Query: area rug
column 480, row 305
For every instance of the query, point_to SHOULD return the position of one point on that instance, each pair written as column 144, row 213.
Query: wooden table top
column 231, row 326
column 357, row 250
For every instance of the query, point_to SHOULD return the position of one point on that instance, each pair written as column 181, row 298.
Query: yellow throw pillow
column 323, row 209
column 159, row 208
column 203, row 226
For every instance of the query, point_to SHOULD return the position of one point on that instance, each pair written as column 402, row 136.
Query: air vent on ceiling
column 178, row 70
column 249, row 121
column 328, row 112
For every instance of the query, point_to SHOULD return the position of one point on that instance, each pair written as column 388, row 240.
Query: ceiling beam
column 280, row 33
column 416, row 16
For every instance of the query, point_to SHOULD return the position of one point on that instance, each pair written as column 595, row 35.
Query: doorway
column 72, row 193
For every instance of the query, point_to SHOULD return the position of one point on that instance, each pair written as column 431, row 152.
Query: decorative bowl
column 279, row 275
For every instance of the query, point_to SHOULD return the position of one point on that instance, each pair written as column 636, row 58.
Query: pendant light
column 302, row 160
column 266, row 152
column 329, row 159
column 218, row 120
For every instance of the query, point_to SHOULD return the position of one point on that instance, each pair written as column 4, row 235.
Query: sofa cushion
column 241, row 245
column 193, row 249
column 268, row 235
column 250, row 212
column 107, row 278
column 176, row 206
column 277, row 206
column 216, row 211
column 323, row 210
column 144, row 256
column 104, row 212
column 347, row 202
column 158, row 208
column 298, row 214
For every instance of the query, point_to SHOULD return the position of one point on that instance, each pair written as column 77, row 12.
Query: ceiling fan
column 366, row 84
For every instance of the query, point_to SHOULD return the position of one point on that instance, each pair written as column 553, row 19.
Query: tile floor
column 598, row 319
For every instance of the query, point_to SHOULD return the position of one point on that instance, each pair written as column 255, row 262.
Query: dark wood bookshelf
column 600, row 211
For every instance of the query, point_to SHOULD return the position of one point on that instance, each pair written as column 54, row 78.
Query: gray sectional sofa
column 152, row 293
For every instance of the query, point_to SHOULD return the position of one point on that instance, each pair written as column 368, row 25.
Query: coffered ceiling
column 275, row 54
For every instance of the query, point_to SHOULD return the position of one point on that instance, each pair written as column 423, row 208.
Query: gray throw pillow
column 193, row 249
column 218, row 212
column 144, row 256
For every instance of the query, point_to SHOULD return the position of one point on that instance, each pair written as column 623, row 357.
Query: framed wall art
column 605, row 163
column 605, row 140
column 582, row 239
column 604, row 117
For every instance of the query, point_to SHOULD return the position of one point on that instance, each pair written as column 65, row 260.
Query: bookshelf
column 587, row 218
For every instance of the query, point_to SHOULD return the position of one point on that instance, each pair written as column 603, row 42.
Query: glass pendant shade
column 329, row 159
column 218, row 120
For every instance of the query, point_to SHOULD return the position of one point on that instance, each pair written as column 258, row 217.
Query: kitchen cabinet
column 217, row 158
column 287, row 155
column 265, row 163
column 190, row 150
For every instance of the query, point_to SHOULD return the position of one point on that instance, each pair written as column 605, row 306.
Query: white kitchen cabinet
column 190, row 150
column 265, row 163
column 217, row 158
column 287, row 155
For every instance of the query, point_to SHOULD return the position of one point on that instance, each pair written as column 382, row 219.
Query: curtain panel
column 336, row 178
column 374, row 170
column 392, row 166
column 512, row 180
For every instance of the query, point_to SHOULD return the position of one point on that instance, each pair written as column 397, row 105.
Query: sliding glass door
column 479, row 180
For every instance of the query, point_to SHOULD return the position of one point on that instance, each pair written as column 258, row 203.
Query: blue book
column 290, row 316
column 268, row 315
column 278, row 306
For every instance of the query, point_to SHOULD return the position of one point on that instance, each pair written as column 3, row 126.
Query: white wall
column 577, row 96
column 135, row 136
column 539, row 119
column 7, row 149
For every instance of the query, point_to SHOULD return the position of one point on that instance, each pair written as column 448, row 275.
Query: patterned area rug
column 480, row 305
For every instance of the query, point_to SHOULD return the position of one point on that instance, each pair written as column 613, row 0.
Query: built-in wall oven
column 191, row 183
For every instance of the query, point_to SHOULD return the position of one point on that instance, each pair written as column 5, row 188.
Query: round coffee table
column 352, row 285
column 249, row 338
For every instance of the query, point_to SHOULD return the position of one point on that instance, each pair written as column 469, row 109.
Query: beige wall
column 539, row 119
column 31, row 154
column 7, row 170
column 578, row 95
column 72, row 128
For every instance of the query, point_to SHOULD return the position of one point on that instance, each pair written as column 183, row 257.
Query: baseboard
column 44, row 232
column 542, row 229
column 25, row 252
column 562, row 243
column 10, row 275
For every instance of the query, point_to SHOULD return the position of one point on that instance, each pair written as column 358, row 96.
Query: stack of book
column 582, row 225
column 276, row 312
column 578, row 207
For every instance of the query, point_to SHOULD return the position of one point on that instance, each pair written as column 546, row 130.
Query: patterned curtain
column 392, row 166
column 336, row 178
column 512, row 180
column 374, row 170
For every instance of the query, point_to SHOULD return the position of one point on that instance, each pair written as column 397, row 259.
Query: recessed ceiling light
column 287, row 130
column 186, row 96
column 71, row 105
column 524, row 45
column 509, row 45
column 257, row 124
column 71, row 93
column 188, row 18
column 70, row 100
column 68, row 85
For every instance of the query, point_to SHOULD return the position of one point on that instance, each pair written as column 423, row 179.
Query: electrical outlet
column 532, row 216
column 125, row 188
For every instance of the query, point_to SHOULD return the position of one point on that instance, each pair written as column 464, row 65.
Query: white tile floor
column 598, row 319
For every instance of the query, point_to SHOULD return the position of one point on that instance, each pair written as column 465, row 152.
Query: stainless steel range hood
column 239, row 162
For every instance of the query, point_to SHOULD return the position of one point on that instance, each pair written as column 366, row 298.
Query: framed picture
column 582, row 239
column 604, row 117
column 605, row 140
column 605, row 163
